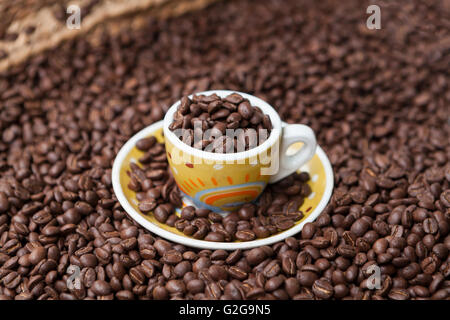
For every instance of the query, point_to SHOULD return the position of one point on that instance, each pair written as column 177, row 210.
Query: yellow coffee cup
column 223, row 182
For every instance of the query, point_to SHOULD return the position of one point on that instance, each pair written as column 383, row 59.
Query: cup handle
column 293, row 133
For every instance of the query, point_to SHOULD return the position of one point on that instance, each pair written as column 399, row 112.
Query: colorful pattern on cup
column 218, row 185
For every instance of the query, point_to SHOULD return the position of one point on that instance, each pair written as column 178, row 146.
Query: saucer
column 321, row 183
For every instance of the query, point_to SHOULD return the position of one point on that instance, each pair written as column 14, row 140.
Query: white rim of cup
column 202, row 244
column 226, row 157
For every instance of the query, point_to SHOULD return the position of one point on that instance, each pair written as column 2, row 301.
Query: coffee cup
column 223, row 182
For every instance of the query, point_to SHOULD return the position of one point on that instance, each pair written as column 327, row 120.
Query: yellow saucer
column 321, row 183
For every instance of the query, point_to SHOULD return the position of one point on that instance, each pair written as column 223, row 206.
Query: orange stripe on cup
column 247, row 177
column 213, row 199
column 187, row 186
column 182, row 190
column 193, row 183
column 214, row 181
column 201, row 182
column 230, row 181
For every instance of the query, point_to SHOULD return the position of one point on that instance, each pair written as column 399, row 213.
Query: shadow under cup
column 223, row 182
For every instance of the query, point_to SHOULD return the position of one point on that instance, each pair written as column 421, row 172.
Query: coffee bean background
column 378, row 101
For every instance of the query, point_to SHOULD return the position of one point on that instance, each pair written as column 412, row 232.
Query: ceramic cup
column 222, row 182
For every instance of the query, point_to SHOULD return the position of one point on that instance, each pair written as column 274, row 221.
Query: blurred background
column 294, row 53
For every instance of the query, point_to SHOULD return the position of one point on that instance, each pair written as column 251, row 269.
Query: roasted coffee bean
column 201, row 263
column 237, row 273
column 430, row 225
column 88, row 260
column 359, row 227
column 146, row 143
column 161, row 214
column 323, row 289
column 428, row 265
column 4, row 203
column 11, row 280
column 284, row 223
column 101, row 288
column 172, row 257
column 217, row 272
column 308, row 230
column 188, row 213
column 347, row 251
column 256, row 256
column 261, row 232
column 37, row 255
column 176, row 286
column 162, row 246
column 398, row 294
column 245, row 235
column 307, row 278
column 273, row 283
column 245, row 110
column 272, row 269
column 195, row 286
column 246, row 212
column 288, row 266
column 320, row 242
column 160, row 293
column 292, row 286
column 215, row 236
column 147, row 205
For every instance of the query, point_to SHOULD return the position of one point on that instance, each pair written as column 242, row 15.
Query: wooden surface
column 28, row 27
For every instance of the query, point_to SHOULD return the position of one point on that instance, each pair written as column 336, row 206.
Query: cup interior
column 254, row 101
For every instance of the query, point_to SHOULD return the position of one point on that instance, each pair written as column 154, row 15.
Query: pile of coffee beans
column 377, row 100
column 203, row 122
column 158, row 194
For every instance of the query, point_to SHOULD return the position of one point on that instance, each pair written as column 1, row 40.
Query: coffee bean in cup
column 220, row 125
